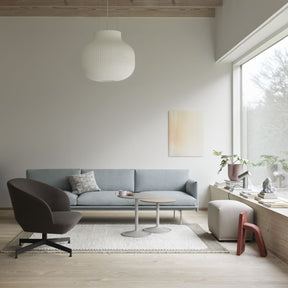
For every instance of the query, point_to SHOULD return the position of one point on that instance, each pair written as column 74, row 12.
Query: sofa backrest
column 161, row 179
column 113, row 179
column 54, row 177
column 117, row 179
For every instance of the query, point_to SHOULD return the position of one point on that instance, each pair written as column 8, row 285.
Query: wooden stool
column 243, row 226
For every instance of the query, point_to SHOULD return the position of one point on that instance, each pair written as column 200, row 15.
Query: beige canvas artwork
column 185, row 133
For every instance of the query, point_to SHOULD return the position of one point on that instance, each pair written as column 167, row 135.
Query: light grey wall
column 236, row 19
column 51, row 116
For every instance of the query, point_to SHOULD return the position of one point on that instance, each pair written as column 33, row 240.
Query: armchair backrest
column 34, row 201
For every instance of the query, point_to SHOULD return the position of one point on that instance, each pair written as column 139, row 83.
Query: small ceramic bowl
column 122, row 193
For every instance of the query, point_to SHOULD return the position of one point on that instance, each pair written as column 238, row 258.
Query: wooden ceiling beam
column 117, row 8
column 125, row 3
column 101, row 12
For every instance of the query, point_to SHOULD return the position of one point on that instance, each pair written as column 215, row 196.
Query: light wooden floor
column 133, row 271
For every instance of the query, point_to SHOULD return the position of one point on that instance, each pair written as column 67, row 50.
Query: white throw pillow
column 83, row 183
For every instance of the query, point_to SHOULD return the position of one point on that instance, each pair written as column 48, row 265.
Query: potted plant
column 273, row 160
column 235, row 164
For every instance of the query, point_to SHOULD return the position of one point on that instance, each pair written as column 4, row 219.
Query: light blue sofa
column 168, row 183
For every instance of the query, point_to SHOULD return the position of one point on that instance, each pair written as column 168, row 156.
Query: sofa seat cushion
column 182, row 198
column 72, row 198
column 103, row 198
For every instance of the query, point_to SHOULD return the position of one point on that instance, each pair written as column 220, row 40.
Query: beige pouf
column 223, row 218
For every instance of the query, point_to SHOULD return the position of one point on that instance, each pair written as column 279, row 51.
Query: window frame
column 239, row 115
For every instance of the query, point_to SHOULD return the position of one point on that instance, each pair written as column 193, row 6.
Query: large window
column 265, row 112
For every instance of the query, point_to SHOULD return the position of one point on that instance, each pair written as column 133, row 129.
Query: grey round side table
column 136, row 232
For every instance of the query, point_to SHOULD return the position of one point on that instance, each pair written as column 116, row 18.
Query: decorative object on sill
column 185, row 133
column 235, row 164
column 244, row 178
column 108, row 58
column 277, row 168
column 267, row 190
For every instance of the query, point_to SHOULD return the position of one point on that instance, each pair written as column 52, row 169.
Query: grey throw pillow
column 83, row 183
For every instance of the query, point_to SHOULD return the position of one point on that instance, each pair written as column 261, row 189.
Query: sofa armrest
column 191, row 188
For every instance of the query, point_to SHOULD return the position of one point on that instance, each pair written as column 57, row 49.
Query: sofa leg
column 180, row 217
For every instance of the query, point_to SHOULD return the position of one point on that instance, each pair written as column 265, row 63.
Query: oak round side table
column 157, row 201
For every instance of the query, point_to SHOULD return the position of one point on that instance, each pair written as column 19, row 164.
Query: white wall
column 51, row 116
column 236, row 19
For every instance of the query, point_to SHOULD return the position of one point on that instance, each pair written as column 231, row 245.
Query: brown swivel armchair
column 41, row 208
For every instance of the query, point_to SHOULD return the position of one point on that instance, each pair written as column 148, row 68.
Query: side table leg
column 157, row 215
column 136, row 214
column 136, row 233
column 157, row 228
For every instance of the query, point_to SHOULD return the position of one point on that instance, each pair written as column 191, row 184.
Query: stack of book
column 267, row 195
column 219, row 184
column 267, row 202
column 233, row 185
column 274, row 203
column 249, row 194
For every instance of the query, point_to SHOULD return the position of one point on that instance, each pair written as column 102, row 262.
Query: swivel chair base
column 44, row 241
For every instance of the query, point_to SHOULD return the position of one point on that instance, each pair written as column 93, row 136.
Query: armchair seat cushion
column 63, row 221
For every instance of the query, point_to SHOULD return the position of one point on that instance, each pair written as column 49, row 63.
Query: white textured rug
column 107, row 238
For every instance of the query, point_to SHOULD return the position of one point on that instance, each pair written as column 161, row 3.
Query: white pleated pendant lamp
column 108, row 57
